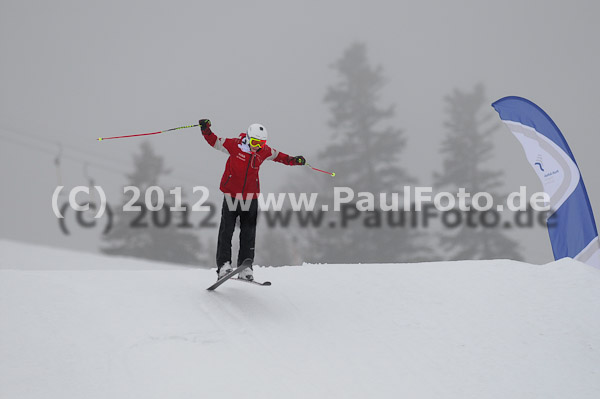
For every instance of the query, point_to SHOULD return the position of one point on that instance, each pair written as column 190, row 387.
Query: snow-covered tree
column 467, row 148
column 365, row 152
column 142, row 236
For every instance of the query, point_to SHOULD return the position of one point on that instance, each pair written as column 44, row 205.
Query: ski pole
column 145, row 134
column 332, row 174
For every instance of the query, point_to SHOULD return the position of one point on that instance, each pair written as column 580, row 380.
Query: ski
column 264, row 284
column 246, row 263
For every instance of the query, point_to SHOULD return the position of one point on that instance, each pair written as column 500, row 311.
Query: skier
column 240, row 180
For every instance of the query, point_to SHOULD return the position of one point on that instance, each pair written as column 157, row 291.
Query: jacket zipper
column 246, row 177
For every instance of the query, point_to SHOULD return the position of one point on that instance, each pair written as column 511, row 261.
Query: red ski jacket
column 241, row 171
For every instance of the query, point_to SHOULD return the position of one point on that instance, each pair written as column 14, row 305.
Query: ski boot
column 222, row 272
column 246, row 274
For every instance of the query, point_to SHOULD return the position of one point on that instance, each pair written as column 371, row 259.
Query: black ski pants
column 247, row 232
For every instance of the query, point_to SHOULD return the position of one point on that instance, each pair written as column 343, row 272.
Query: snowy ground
column 491, row 329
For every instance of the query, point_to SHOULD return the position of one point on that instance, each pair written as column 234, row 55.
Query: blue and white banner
column 571, row 224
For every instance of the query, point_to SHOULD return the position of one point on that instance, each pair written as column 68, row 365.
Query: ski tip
column 263, row 284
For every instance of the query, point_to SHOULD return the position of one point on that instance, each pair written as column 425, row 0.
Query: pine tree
column 466, row 149
column 149, row 241
column 365, row 154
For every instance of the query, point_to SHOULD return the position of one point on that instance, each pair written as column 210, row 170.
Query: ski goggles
column 257, row 143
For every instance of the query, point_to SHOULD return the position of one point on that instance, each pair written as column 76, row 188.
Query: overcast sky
column 73, row 71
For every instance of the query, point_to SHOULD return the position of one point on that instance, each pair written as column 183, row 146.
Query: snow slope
column 485, row 329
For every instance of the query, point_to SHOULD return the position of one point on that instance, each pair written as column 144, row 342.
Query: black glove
column 298, row 160
column 204, row 125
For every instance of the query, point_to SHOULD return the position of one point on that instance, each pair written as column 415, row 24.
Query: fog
column 75, row 71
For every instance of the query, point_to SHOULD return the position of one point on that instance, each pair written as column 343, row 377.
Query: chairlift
column 57, row 162
column 94, row 200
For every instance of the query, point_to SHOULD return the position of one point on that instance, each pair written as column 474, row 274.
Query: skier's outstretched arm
column 218, row 143
column 285, row 158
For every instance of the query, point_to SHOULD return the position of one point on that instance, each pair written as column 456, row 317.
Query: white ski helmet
column 257, row 131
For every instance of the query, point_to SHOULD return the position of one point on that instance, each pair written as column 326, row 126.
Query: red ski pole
column 332, row 174
column 145, row 134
